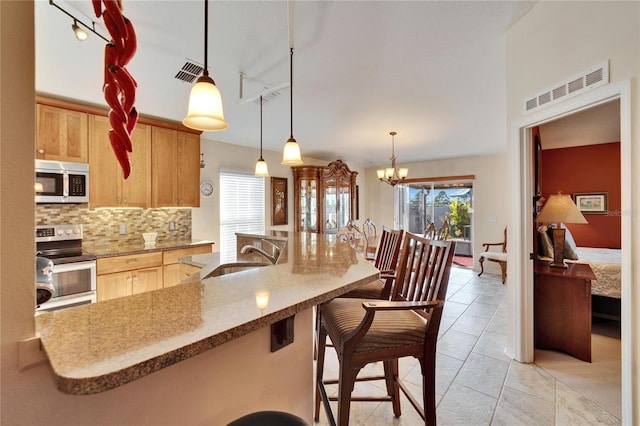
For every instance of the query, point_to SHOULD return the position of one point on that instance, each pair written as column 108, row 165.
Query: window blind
column 241, row 210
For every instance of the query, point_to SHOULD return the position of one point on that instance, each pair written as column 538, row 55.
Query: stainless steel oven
column 74, row 270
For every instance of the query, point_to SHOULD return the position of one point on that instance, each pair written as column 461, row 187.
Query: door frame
column 520, row 297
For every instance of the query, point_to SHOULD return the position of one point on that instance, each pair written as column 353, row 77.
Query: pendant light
column 205, row 102
column 261, row 165
column 291, row 154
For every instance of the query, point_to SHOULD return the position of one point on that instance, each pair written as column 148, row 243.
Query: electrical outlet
column 123, row 229
column 172, row 226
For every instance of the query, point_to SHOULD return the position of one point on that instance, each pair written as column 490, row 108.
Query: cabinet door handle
column 132, row 261
column 41, row 151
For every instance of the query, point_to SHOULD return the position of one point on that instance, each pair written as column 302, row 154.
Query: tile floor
column 476, row 384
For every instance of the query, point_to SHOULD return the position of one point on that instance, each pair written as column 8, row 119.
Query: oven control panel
column 58, row 232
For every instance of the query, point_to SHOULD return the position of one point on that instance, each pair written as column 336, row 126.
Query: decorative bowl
column 150, row 237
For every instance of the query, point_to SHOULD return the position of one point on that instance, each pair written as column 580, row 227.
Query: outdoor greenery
column 458, row 217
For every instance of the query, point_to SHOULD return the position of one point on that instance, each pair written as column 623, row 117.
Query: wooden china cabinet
column 324, row 197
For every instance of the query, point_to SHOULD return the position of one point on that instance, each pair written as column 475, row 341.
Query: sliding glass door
column 420, row 203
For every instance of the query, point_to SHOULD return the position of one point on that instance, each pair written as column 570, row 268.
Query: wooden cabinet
column 164, row 173
column 108, row 188
column 324, row 197
column 173, row 270
column 562, row 308
column 61, row 134
column 121, row 276
column 175, row 164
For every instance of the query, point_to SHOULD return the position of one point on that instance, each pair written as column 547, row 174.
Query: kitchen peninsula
column 212, row 336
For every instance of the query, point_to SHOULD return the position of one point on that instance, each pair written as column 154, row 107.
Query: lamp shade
column 205, row 106
column 291, row 153
column 261, row 168
column 560, row 208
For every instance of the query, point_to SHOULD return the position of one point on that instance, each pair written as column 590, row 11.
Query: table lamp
column 558, row 209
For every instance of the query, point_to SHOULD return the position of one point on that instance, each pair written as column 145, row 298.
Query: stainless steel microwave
column 61, row 182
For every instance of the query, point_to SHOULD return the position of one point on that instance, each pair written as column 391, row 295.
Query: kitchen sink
column 230, row 268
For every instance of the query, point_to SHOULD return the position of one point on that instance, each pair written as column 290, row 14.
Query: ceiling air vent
column 591, row 78
column 189, row 72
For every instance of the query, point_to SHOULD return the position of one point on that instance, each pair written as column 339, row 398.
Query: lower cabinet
column 121, row 276
column 120, row 284
column 173, row 270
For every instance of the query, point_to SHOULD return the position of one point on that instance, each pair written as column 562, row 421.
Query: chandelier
column 392, row 175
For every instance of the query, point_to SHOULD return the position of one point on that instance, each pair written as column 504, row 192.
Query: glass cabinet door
column 308, row 205
column 344, row 204
column 330, row 206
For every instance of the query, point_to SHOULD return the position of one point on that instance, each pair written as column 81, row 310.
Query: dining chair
column 430, row 231
column 366, row 331
column 443, row 232
column 370, row 235
column 499, row 257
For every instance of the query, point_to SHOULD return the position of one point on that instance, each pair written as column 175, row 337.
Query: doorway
column 520, row 341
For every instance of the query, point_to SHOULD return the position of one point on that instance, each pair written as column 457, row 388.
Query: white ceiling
column 434, row 71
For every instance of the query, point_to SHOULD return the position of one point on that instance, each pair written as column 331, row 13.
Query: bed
column 606, row 265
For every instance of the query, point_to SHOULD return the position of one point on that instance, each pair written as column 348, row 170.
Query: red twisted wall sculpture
column 119, row 86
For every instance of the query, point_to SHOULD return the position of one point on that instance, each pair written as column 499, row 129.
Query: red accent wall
column 587, row 169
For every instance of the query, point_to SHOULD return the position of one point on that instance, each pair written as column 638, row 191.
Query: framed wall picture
column 279, row 205
column 592, row 202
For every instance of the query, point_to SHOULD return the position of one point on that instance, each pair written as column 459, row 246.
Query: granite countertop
column 97, row 347
column 123, row 249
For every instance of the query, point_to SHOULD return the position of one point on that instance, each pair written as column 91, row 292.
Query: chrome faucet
column 253, row 249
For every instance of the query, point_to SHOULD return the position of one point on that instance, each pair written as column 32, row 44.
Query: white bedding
column 606, row 265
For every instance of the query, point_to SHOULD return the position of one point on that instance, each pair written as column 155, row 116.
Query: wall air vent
column 593, row 77
column 189, row 72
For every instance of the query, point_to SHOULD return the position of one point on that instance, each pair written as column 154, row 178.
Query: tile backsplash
column 103, row 226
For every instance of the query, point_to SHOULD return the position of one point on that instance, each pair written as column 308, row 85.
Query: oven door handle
column 73, row 266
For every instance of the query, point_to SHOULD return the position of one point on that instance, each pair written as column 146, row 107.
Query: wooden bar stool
column 364, row 331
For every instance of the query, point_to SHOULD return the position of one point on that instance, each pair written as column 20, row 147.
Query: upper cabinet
column 165, row 162
column 61, row 134
column 108, row 187
column 175, row 167
column 324, row 197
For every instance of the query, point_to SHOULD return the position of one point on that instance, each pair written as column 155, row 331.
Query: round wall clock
column 206, row 188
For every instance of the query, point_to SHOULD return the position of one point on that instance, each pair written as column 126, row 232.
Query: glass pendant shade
column 261, row 168
column 291, row 155
column 205, row 106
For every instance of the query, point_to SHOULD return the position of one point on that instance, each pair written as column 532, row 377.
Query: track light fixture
column 80, row 33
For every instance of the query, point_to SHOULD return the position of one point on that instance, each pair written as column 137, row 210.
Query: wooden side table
column 562, row 308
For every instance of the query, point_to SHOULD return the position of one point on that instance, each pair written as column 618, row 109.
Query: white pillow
column 570, row 251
